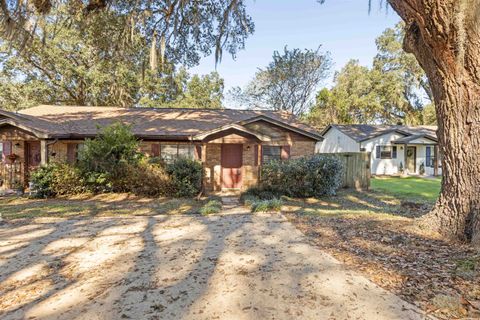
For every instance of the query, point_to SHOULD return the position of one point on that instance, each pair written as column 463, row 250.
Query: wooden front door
column 231, row 159
column 33, row 157
column 411, row 159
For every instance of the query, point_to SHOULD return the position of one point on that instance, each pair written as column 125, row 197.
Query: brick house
column 231, row 144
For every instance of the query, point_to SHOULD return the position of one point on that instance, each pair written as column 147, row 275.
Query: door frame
column 239, row 187
column 414, row 158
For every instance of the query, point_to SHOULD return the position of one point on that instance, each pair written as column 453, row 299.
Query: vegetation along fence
column 357, row 169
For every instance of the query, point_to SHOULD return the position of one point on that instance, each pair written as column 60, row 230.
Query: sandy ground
column 179, row 267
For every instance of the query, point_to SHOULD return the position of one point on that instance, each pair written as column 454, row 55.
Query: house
column 231, row 144
column 394, row 149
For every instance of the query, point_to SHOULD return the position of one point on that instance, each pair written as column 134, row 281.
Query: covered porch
column 419, row 155
column 231, row 157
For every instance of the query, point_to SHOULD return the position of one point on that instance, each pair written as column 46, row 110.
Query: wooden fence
column 357, row 169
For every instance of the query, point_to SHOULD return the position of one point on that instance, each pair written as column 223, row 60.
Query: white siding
column 384, row 166
column 336, row 141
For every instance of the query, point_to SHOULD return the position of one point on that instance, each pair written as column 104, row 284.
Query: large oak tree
column 444, row 36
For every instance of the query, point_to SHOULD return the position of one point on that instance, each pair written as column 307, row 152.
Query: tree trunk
column 444, row 35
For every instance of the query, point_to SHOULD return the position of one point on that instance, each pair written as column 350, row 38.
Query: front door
column 411, row 159
column 33, row 154
column 232, row 166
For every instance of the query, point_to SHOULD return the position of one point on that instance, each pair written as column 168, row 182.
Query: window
column 270, row 153
column 430, row 156
column 386, row 152
column 170, row 152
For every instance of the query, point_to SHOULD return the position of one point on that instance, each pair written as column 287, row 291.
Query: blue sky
column 343, row 27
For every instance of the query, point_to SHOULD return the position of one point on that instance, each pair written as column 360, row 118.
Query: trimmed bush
column 186, row 176
column 211, row 207
column 57, row 179
column 314, row 176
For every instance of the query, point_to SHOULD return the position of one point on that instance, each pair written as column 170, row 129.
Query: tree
column 403, row 84
column 288, row 83
column 395, row 90
column 204, row 91
column 352, row 99
column 444, row 36
column 180, row 31
column 79, row 64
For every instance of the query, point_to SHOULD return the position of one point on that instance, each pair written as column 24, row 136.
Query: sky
column 342, row 27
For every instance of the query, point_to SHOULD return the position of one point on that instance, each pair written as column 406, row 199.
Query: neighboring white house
column 394, row 149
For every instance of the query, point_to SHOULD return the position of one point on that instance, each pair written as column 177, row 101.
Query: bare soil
column 236, row 266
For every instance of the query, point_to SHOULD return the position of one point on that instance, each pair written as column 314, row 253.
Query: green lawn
column 410, row 188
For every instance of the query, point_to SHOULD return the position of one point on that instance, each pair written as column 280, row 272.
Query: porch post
column 43, row 152
column 435, row 162
column 405, row 169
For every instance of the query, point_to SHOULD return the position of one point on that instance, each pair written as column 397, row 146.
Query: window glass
column 185, row 151
column 270, row 153
column 385, row 152
column 169, row 152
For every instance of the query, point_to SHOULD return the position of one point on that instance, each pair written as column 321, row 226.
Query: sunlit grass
column 409, row 188
column 107, row 205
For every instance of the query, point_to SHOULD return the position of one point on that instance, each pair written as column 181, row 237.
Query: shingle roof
column 362, row 132
column 146, row 122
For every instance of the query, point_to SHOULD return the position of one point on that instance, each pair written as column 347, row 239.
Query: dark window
column 429, row 157
column 270, row 153
column 386, row 152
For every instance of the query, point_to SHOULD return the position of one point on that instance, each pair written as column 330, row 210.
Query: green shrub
column 145, row 179
column 186, row 175
column 261, row 192
column 313, row 176
column 105, row 158
column 266, row 205
column 56, row 179
column 211, row 207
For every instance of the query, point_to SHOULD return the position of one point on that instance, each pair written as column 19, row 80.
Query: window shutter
column 377, row 152
column 285, row 152
column 198, row 152
column 71, row 152
column 260, row 151
column 394, row 152
column 155, row 150
column 255, row 155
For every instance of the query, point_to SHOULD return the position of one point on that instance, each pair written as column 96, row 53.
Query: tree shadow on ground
column 383, row 241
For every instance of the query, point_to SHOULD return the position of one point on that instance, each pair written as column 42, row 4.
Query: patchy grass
column 408, row 188
column 99, row 205
column 377, row 235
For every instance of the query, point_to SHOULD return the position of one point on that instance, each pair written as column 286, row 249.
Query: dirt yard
column 179, row 267
column 377, row 235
